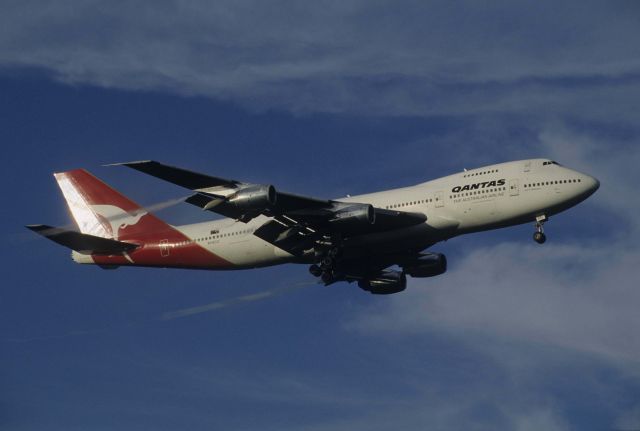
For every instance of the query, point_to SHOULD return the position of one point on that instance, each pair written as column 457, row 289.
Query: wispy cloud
column 401, row 58
column 566, row 296
column 349, row 398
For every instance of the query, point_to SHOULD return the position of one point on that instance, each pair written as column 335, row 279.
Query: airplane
column 375, row 239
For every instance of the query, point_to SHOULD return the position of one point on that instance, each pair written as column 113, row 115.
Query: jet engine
column 385, row 283
column 253, row 198
column 427, row 265
column 354, row 216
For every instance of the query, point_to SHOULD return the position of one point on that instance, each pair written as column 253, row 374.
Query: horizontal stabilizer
column 82, row 242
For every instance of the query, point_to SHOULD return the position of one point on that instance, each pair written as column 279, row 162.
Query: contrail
column 170, row 315
column 166, row 204
column 232, row 301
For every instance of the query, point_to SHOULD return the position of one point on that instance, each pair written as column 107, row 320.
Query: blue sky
column 325, row 99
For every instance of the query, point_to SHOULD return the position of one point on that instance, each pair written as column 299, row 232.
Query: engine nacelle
column 354, row 216
column 254, row 198
column 385, row 283
column 427, row 265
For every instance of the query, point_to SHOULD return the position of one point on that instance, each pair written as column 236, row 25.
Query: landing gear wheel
column 539, row 237
column 327, row 277
column 315, row 270
column 328, row 253
column 327, row 262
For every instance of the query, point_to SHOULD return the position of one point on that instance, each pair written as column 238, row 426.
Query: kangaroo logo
column 117, row 218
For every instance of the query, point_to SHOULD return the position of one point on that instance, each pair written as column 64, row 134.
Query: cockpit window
column 551, row 162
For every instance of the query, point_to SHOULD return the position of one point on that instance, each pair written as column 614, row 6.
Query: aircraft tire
column 539, row 237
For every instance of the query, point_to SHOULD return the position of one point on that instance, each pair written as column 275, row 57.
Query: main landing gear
column 539, row 235
column 325, row 268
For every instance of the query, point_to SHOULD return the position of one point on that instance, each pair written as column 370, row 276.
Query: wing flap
column 390, row 219
column 291, row 238
column 81, row 242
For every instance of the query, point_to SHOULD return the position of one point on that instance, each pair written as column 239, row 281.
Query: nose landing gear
column 539, row 235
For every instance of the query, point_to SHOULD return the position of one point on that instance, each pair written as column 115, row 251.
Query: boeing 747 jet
column 376, row 239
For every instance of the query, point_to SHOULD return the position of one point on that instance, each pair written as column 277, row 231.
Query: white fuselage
column 490, row 197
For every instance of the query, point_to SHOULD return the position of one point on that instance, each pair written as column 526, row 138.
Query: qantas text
column 476, row 186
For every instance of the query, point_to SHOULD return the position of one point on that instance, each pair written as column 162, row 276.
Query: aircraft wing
column 298, row 221
column 221, row 195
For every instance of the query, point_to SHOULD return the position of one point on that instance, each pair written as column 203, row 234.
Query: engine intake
column 254, row 198
column 427, row 265
column 386, row 283
column 354, row 216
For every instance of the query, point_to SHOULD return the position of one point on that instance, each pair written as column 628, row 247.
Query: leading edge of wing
column 181, row 177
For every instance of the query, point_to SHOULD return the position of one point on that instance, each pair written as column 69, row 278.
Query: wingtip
column 37, row 227
column 41, row 229
column 136, row 162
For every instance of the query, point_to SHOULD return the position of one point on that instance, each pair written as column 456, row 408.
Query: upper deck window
column 476, row 173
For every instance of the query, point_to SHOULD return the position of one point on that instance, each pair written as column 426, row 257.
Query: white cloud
column 568, row 296
column 400, row 58
column 441, row 414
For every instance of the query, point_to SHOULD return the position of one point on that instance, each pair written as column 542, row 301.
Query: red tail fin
column 101, row 211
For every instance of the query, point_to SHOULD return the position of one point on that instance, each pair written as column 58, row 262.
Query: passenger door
column 514, row 189
column 164, row 248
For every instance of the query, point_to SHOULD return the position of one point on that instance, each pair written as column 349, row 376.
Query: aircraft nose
column 592, row 183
